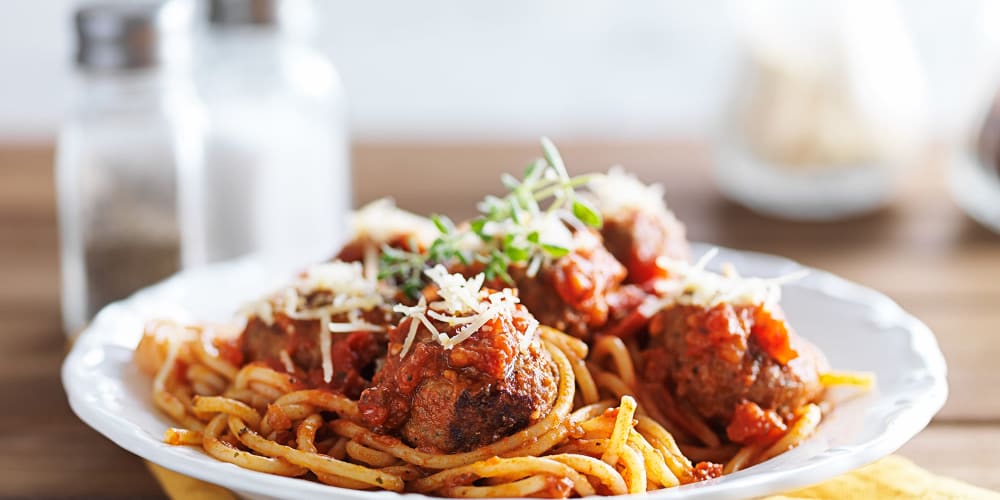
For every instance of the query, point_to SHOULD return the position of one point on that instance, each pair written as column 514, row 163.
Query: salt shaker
column 276, row 175
column 133, row 131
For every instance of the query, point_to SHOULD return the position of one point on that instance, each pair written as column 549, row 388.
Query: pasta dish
column 560, row 344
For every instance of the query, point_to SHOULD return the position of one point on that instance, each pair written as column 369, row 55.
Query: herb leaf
column 586, row 213
column 442, row 223
column 510, row 229
column 555, row 250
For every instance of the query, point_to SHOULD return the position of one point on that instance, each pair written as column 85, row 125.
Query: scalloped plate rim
column 913, row 411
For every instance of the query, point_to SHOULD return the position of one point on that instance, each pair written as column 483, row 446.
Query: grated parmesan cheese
column 347, row 291
column 462, row 303
column 458, row 294
column 286, row 360
column 694, row 285
column 326, row 346
column 350, row 292
column 381, row 221
column 618, row 191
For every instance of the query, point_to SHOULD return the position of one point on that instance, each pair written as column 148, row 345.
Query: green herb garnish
column 508, row 227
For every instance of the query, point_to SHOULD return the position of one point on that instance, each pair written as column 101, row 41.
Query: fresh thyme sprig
column 406, row 267
column 510, row 228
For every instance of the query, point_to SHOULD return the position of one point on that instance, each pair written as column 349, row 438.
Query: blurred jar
column 828, row 106
column 974, row 173
column 974, row 166
column 276, row 176
column 133, row 130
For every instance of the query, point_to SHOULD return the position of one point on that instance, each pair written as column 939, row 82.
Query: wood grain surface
column 921, row 250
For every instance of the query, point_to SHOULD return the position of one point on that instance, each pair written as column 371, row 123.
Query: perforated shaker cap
column 125, row 34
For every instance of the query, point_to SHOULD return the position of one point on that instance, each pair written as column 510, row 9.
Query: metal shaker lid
column 124, row 35
column 243, row 12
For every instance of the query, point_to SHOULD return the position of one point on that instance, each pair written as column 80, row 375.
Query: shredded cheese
column 463, row 302
column 370, row 261
column 286, row 360
column 529, row 334
column 618, row 191
column 381, row 221
column 326, row 346
column 359, row 326
column 413, row 313
column 349, row 292
column 331, row 288
column 458, row 294
column 694, row 285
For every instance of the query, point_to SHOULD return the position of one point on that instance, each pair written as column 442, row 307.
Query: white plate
column 857, row 328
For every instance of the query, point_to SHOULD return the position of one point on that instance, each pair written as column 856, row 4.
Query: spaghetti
column 432, row 374
column 606, row 443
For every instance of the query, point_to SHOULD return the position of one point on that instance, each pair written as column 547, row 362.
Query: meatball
column 575, row 292
column 284, row 330
column 454, row 398
column 638, row 237
column 638, row 227
column 353, row 354
column 719, row 357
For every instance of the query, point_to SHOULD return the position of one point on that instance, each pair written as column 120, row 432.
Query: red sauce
column 229, row 349
column 706, row 470
column 625, row 317
column 583, row 278
column 277, row 418
column 723, row 330
column 751, row 424
column 771, row 333
column 352, row 354
column 555, row 487
column 484, row 356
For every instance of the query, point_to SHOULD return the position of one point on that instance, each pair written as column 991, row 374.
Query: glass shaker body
column 276, row 174
column 130, row 136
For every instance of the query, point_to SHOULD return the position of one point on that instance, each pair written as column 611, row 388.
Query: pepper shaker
column 276, row 176
column 133, row 132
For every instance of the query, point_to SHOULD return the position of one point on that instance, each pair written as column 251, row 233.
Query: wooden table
column 922, row 252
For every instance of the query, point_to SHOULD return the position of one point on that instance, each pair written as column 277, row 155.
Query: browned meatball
column 485, row 387
column 719, row 357
column 284, row 329
column 354, row 250
column 353, row 354
column 574, row 293
column 638, row 237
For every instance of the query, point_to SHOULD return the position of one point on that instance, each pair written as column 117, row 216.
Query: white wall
column 516, row 69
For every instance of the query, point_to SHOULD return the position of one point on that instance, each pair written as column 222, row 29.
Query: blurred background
column 484, row 72
column 138, row 138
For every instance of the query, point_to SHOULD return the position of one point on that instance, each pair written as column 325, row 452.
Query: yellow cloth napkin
column 178, row 486
column 892, row 477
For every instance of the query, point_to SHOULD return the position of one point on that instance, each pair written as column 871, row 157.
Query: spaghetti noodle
column 414, row 379
column 260, row 421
